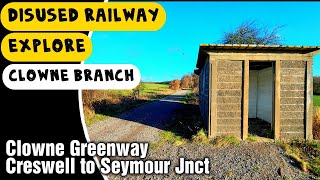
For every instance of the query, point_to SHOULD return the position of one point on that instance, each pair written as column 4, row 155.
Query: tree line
column 189, row 81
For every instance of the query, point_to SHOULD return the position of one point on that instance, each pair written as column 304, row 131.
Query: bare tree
column 250, row 32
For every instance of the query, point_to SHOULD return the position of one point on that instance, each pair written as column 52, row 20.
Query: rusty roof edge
column 254, row 46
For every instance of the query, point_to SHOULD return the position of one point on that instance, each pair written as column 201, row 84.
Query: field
column 99, row 104
column 316, row 100
column 148, row 90
column 154, row 88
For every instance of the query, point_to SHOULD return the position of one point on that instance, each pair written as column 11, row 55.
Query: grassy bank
column 99, row 104
column 305, row 154
column 316, row 123
column 316, row 100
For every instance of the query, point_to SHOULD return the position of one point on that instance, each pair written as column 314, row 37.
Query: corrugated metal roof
column 303, row 49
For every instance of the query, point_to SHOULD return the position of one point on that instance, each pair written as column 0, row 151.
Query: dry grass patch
column 252, row 138
column 200, row 137
column 316, row 123
column 305, row 153
column 227, row 140
column 172, row 138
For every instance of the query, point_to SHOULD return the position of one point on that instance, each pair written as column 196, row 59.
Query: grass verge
column 222, row 141
column 305, row 154
column 200, row 137
column 100, row 104
column 316, row 123
column 252, row 137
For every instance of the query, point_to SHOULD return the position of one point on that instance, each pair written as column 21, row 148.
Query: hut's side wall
column 204, row 93
column 229, row 97
column 292, row 99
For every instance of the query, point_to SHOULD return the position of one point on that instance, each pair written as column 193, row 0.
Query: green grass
column 227, row 140
column 316, row 100
column 149, row 89
column 252, row 137
column 172, row 138
column 96, row 118
column 200, row 137
column 168, row 137
column 153, row 88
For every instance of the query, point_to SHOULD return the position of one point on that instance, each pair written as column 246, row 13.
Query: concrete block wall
column 229, row 97
column 292, row 99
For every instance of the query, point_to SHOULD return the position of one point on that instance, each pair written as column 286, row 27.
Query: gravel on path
column 258, row 160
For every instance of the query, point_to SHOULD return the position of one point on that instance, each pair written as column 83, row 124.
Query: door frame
column 276, row 98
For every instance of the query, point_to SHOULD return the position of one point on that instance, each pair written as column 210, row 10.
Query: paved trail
column 141, row 124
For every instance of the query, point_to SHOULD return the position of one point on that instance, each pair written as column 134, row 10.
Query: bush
column 175, row 84
column 316, row 124
column 186, row 81
column 195, row 83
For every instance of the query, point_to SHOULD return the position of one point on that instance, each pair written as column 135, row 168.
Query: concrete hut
column 242, row 83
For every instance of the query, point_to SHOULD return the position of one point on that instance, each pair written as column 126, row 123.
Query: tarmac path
column 141, row 124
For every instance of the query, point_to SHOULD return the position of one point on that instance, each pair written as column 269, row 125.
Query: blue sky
column 171, row 52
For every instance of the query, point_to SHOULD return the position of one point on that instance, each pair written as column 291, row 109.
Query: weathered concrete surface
column 229, row 121
column 292, row 99
column 141, row 124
